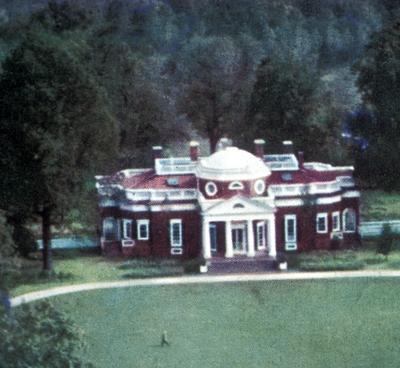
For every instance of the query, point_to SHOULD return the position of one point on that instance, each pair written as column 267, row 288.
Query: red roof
column 150, row 180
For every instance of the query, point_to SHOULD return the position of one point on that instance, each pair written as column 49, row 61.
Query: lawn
column 377, row 205
column 82, row 266
column 337, row 323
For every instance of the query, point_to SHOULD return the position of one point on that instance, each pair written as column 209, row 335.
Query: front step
column 241, row 265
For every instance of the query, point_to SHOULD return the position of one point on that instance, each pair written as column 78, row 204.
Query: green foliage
column 38, row 335
column 9, row 265
column 385, row 242
column 378, row 72
column 330, row 261
column 281, row 103
column 24, row 239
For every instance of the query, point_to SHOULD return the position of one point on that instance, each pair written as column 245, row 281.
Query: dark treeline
column 87, row 87
column 170, row 66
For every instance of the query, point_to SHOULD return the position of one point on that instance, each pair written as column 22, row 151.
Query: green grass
column 377, row 205
column 337, row 323
column 75, row 267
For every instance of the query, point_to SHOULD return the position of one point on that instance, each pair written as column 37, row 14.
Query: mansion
column 231, row 204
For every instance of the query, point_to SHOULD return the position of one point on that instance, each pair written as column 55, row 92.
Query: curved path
column 198, row 279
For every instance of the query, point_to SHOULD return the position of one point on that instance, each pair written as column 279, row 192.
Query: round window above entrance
column 211, row 189
column 259, row 186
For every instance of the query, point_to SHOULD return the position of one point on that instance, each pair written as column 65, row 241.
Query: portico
column 249, row 228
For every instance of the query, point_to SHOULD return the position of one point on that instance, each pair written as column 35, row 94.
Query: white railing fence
column 374, row 228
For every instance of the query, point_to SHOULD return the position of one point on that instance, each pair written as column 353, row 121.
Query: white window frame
column 260, row 230
column 345, row 229
column 127, row 224
column 290, row 242
column 139, row 223
column 179, row 243
column 336, row 215
column 259, row 186
column 236, row 185
column 324, row 216
column 211, row 192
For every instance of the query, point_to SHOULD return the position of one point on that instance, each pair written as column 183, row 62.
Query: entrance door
column 239, row 238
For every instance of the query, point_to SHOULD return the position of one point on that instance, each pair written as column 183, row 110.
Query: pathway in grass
column 332, row 323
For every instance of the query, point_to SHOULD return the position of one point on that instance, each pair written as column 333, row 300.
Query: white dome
column 232, row 163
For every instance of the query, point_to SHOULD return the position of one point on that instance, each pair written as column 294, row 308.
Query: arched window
column 238, row 205
column 349, row 220
column 236, row 185
column 211, row 189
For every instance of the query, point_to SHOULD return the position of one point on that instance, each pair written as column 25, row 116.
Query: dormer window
column 236, row 185
column 172, row 182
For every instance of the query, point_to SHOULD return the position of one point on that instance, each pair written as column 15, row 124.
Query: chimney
column 259, row 148
column 288, row 147
column 300, row 158
column 194, row 150
column 157, row 153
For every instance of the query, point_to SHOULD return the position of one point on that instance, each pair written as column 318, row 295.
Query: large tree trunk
column 46, row 238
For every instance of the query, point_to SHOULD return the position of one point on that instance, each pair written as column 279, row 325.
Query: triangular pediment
column 239, row 205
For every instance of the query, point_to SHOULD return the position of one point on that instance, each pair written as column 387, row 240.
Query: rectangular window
column 290, row 232
column 322, row 223
column 143, row 229
column 110, row 229
column 336, row 221
column 349, row 220
column 261, row 235
column 213, row 237
column 127, row 229
column 175, row 232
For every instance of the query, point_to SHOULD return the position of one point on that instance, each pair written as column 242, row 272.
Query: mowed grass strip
column 336, row 323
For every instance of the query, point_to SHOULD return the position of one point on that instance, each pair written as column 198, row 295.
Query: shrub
column 330, row 261
column 385, row 241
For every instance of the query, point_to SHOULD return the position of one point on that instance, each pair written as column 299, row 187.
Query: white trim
column 126, row 234
column 351, row 194
column 290, row 241
column 260, row 227
column 337, row 215
column 259, row 186
column 127, row 243
column 175, row 242
column 299, row 202
column 235, row 185
column 324, row 216
column 353, row 212
column 159, row 208
column 211, row 188
column 143, row 222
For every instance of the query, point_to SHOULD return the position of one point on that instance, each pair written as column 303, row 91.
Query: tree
column 38, row 335
column 378, row 74
column 56, row 128
column 217, row 82
column 280, row 105
column 9, row 265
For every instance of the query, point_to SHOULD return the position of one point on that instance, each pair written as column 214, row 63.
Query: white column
column 206, row 238
column 228, row 240
column 250, row 239
column 271, row 237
